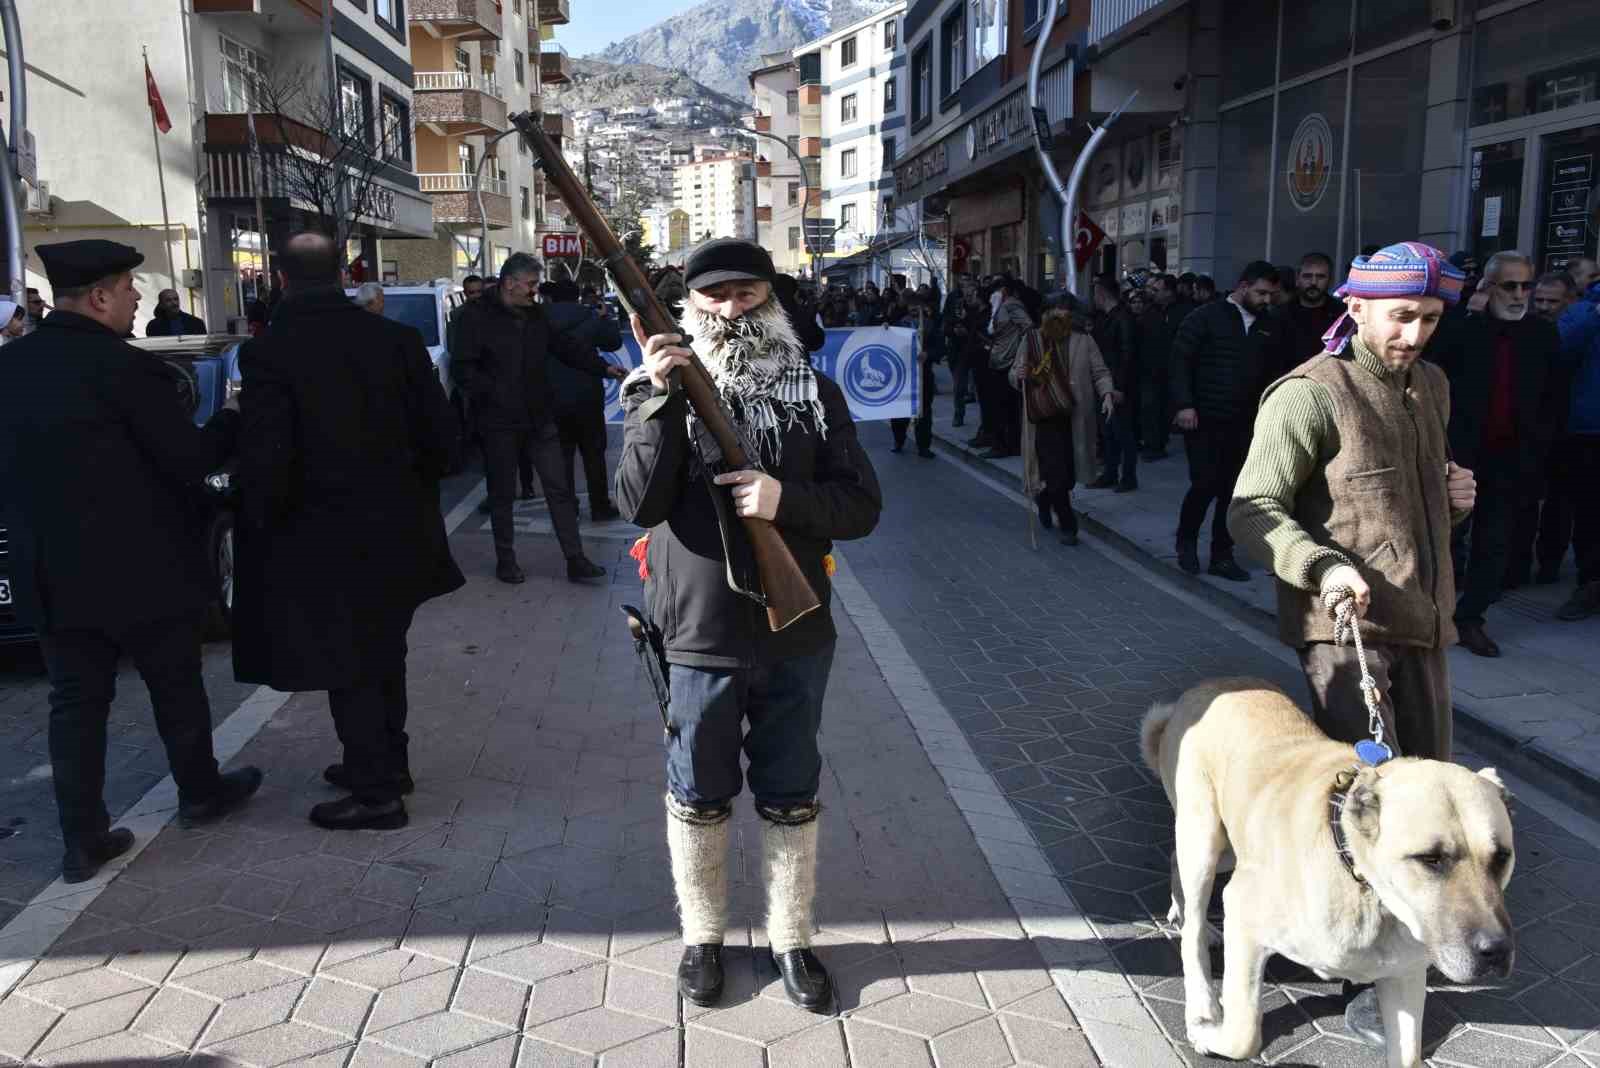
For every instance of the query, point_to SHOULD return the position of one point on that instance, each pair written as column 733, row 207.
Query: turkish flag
column 1087, row 237
column 153, row 97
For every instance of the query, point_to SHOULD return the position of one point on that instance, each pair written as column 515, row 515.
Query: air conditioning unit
column 37, row 198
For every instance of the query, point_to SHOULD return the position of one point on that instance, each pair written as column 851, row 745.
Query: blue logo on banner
column 873, row 376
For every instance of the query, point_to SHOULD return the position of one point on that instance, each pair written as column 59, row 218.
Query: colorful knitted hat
column 1408, row 269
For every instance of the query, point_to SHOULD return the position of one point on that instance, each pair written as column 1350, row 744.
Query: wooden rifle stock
column 784, row 586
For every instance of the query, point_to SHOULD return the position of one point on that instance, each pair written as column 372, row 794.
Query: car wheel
column 219, row 557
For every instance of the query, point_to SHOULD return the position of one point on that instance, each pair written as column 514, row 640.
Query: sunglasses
column 1515, row 287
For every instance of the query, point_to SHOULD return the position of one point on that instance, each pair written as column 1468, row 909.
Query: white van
column 427, row 308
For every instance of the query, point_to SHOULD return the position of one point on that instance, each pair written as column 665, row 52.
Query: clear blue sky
column 597, row 24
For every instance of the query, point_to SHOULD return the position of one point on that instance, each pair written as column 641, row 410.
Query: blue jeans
column 782, row 703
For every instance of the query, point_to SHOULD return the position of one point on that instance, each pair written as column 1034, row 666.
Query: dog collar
column 1341, row 845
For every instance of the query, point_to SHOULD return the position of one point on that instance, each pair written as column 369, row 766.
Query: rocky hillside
column 722, row 41
column 599, row 84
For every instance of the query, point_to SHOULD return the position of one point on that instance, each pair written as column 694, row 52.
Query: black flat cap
column 727, row 259
column 70, row 264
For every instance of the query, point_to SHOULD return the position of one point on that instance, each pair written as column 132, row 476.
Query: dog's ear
column 1362, row 802
column 1506, row 796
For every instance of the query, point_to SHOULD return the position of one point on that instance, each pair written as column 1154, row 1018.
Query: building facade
column 718, row 196
column 666, row 229
column 785, row 192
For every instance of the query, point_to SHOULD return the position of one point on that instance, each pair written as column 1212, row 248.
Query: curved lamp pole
column 477, row 192
column 805, row 193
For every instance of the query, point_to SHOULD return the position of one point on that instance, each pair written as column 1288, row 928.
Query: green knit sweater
column 1295, row 434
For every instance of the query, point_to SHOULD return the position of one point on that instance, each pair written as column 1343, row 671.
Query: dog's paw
column 1175, row 913
column 1213, row 1040
column 1203, row 1034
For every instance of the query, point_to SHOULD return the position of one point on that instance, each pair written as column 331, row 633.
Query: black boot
column 580, row 567
column 1227, row 567
column 1189, row 557
column 506, row 568
column 354, row 814
column 235, row 789
column 700, row 974
column 805, row 980
column 336, row 775
column 1043, row 501
column 84, row 859
column 1105, row 481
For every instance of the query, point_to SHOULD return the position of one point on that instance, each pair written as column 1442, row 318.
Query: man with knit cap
column 1349, row 485
column 738, row 687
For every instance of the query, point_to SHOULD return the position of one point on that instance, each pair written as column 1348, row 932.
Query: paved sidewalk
column 524, row 917
column 1541, row 698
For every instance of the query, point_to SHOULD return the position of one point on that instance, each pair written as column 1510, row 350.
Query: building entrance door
column 1569, row 199
column 1495, row 182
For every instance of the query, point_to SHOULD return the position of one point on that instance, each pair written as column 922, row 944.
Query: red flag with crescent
column 153, row 97
column 1087, row 237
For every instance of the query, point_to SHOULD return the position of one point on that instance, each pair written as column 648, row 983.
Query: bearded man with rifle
column 741, row 677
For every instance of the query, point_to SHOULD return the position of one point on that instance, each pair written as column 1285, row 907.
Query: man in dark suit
column 344, row 437
column 170, row 320
column 99, row 462
column 579, row 396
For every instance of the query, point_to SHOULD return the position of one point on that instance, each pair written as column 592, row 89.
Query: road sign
column 1086, row 238
column 562, row 245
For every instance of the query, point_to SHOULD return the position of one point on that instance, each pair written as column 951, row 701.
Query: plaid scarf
column 762, row 374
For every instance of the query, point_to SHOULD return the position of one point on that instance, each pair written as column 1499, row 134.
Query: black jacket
column 100, row 480
column 802, row 313
column 575, row 326
column 1216, row 369
column 1158, row 327
column 181, row 323
column 1302, row 332
column 829, row 492
column 1116, row 334
column 1464, row 346
column 500, row 363
column 344, row 437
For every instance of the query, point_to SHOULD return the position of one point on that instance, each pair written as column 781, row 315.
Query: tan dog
column 1429, row 847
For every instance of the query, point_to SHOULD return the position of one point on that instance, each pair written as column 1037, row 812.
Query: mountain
column 599, row 84
column 722, row 41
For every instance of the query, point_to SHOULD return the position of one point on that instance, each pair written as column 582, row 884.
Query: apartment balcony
column 555, row 66
column 457, row 20
column 457, row 103
column 763, row 124
column 559, row 127
column 764, row 215
column 551, row 13
column 1110, row 17
column 813, row 198
column 304, row 16
column 810, row 146
column 455, row 199
column 763, row 168
column 810, row 97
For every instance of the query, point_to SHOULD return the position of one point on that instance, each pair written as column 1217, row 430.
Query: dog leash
column 1341, row 604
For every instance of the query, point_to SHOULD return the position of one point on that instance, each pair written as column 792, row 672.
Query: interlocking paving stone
column 438, row 1034
column 595, row 1030
column 22, row 1024
column 281, row 1043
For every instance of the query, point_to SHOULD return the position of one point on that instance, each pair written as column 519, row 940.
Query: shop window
column 1251, row 29
column 1540, row 58
column 1244, row 155
column 847, row 108
column 847, row 52
column 1388, row 126
column 922, row 83
column 953, row 49
column 1566, row 232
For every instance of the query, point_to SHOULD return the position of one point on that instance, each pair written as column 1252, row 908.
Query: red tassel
column 640, row 552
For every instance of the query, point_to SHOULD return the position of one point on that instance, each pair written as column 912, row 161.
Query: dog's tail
column 1152, row 730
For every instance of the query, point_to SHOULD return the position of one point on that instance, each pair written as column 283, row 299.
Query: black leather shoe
column 1228, row 568
column 353, row 814
column 236, row 788
column 604, row 514
column 530, row 495
column 805, row 980
column 508, row 570
column 580, row 568
column 1189, row 557
column 1476, row 640
column 700, row 974
column 898, row 446
column 337, row 776
column 1103, row 482
column 1068, row 537
column 927, row 454
column 85, row 859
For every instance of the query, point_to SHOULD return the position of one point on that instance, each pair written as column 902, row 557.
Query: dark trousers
column 1216, row 456
column 1482, row 544
column 782, row 705
column 501, row 449
column 924, row 418
column 1412, row 679
column 82, row 665
column 583, row 435
column 1052, row 440
column 1002, row 409
column 370, row 717
column 961, row 372
column 1122, row 443
column 1586, row 508
column 1544, row 528
column 525, row 473
column 1155, row 417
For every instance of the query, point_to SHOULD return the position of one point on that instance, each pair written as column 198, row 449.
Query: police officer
column 99, row 462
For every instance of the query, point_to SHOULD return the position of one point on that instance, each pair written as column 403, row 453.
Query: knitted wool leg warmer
column 698, row 842
column 789, row 849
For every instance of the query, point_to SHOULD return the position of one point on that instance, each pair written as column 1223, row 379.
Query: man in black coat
column 1503, row 415
column 505, row 341
column 344, row 437
column 1220, row 357
column 1116, row 333
column 101, row 466
column 1158, row 326
column 170, row 320
column 580, row 400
